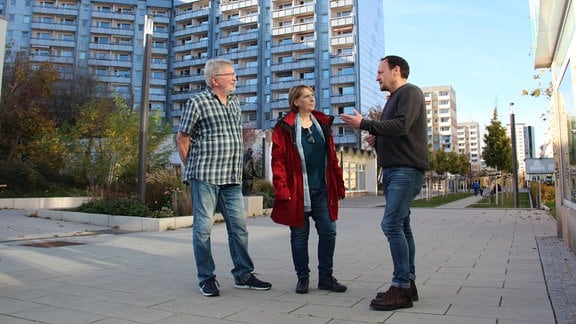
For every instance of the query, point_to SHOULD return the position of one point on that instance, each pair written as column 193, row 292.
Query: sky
column 483, row 49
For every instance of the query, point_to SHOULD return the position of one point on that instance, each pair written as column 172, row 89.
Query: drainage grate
column 51, row 244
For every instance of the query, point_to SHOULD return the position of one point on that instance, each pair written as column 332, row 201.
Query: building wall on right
column 555, row 48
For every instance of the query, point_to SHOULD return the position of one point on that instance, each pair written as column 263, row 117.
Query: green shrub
column 122, row 206
column 548, row 194
column 165, row 190
column 265, row 189
column 21, row 177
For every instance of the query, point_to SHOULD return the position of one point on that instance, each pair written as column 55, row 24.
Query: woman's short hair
column 295, row 93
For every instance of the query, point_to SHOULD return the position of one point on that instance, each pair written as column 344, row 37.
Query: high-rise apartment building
column 104, row 38
column 442, row 119
column 334, row 46
column 469, row 141
column 530, row 149
column 524, row 146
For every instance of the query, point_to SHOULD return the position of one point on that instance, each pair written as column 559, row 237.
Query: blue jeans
column 401, row 185
column 326, row 237
column 230, row 202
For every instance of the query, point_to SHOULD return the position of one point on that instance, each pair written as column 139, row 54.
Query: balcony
column 286, row 85
column 112, row 31
column 341, row 79
column 293, row 11
column 52, row 42
column 191, row 45
column 240, row 37
column 342, row 22
column 54, row 26
column 186, row 79
column 56, row 10
column 341, row 3
column 239, row 21
column 52, row 59
column 192, row 14
column 342, row 40
column 112, row 46
column 113, row 15
column 235, row 5
column 158, row 82
column 298, row 28
column 192, row 30
column 343, row 99
column 110, row 62
column 342, row 59
column 293, row 47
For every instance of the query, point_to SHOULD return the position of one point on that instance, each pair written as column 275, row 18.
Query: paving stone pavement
column 500, row 266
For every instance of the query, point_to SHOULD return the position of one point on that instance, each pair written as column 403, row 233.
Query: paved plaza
column 497, row 266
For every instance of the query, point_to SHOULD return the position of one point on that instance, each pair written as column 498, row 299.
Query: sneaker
column 413, row 291
column 253, row 283
column 302, row 285
column 209, row 287
column 394, row 298
column 330, row 283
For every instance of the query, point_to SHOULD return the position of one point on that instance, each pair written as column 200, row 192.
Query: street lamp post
column 514, row 157
column 143, row 145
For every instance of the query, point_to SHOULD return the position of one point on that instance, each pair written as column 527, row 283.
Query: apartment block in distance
column 469, row 144
column 334, row 46
column 524, row 147
column 442, row 121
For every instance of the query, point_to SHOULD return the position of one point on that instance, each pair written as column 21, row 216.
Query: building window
column 354, row 175
column 565, row 102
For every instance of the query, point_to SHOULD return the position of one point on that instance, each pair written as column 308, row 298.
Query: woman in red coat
column 307, row 184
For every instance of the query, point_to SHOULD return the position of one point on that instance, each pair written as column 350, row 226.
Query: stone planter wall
column 253, row 207
column 42, row 202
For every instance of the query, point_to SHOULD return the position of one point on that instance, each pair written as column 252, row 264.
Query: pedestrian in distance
column 308, row 185
column 476, row 187
column 400, row 139
column 248, row 173
column 210, row 145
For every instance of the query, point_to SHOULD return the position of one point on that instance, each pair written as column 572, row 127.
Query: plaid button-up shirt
column 215, row 139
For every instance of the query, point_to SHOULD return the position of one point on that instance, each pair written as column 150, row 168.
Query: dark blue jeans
column 326, row 237
column 401, row 185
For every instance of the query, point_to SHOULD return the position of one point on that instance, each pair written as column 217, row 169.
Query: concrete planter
column 253, row 207
column 42, row 203
column 126, row 223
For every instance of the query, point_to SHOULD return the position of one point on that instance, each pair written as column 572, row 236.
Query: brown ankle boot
column 413, row 290
column 394, row 298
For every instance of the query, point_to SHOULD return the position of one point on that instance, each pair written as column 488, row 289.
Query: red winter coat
column 287, row 172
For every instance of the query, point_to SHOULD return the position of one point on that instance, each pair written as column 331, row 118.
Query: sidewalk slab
column 473, row 266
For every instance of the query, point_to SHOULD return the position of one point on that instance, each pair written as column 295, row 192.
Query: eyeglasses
column 309, row 136
column 226, row 74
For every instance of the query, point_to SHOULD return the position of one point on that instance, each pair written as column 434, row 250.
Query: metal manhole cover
column 51, row 244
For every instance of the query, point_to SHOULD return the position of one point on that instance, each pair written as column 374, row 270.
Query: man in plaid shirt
column 210, row 145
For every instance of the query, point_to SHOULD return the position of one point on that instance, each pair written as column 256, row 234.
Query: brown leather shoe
column 394, row 298
column 413, row 290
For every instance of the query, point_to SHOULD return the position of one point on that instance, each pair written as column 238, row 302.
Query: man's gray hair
column 213, row 67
